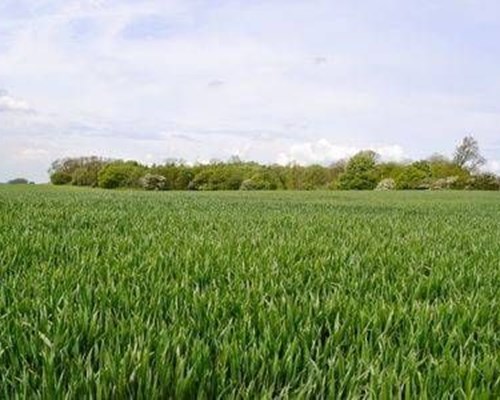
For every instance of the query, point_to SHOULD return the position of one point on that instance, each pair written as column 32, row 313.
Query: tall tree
column 467, row 154
column 360, row 172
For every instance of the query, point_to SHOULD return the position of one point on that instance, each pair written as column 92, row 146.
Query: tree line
column 363, row 171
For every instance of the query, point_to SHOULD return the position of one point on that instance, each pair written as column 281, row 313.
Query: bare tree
column 467, row 154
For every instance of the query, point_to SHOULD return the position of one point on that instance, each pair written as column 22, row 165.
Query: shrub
column 360, row 172
column 60, row 178
column 18, row 181
column 386, row 184
column 413, row 177
column 451, row 182
column 260, row 181
column 485, row 181
column 80, row 171
column 121, row 174
column 249, row 184
column 154, row 182
column 83, row 176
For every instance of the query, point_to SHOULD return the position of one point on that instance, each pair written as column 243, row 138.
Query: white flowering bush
column 154, row 182
column 445, row 183
column 386, row 184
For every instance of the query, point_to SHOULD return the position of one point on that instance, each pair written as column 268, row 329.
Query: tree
column 316, row 177
column 467, row 154
column 121, row 174
column 79, row 171
column 60, row 178
column 18, row 181
column 485, row 181
column 260, row 181
column 360, row 172
column 416, row 175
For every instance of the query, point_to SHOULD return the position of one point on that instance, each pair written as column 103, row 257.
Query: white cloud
column 12, row 104
column 322, row 151
column 492, row 166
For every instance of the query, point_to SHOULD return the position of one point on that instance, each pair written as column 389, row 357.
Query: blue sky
column 272, row 81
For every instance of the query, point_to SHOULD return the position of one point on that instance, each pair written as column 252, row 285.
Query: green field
column 248, row 295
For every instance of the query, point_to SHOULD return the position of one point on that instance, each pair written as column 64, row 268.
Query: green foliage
column 360, row 172
column 317, row 295
column 389, row 170
column 178, row 176
column 484, row 182
column 442, row 168
column 121, row 174
column 18, row 181
column 60, row 178
column 79, row 171
column 363, row 171
column 260, row 181
column 414, row 176
column 316, row 177
column 84, row 177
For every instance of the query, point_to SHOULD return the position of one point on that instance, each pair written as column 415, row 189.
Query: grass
column 237, row 295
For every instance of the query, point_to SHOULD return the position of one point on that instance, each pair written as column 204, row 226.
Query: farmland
column 247, row 294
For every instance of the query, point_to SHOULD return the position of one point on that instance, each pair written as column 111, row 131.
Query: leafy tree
column 315, row 177
column 18, row 181
column 261, row 181
column 485, row 181
column 121, row 174
column 389, row 170
column 413, row 176
column 294, row 177
column 60, row 178
column 416, row 176
column 80, row 171
column 467, row 154
column 442, row 167
column 360, row 172
column 84, row 177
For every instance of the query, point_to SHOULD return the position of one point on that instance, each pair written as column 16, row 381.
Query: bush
column 84, row 177
column 177, row 176
column 121, row 174
column 260, row 181
column 60, row 178
column 360, row 172
column 154, row 182
column 413, row 177
column 249, row 184
column 18, row 181
column 451, row 182
column 484, row 181
column 79, row 171
column 201, row 181
column 386, row 184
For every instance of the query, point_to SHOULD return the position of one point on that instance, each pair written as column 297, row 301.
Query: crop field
column 130, row 294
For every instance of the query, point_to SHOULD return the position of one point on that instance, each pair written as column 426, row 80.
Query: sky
column 310, row 81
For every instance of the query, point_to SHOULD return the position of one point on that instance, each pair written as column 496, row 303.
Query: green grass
column 289, row 294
